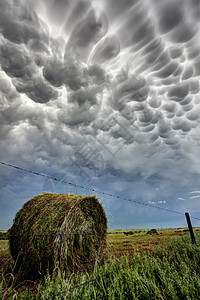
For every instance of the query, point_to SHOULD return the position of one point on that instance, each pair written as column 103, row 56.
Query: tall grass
column 172, row 272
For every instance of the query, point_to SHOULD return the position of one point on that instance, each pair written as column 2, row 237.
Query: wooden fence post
column 190, row 228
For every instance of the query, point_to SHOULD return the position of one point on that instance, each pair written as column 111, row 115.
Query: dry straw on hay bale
column 58, row 214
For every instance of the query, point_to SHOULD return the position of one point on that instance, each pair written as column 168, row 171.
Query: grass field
column 119, row 243
column 169, row 269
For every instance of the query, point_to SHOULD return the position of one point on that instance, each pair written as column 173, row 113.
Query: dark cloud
column 178, row 72
column 183, row 33
column 164, row 129
column 186, row 101
column 21, row 33
column 178, row 92
column 86, row 34
column 173, row 21
column 74, row 74
column 182, row 124
column 15, row 60
column 138, row 30
column 195, row 8
column 193, row 115
column 146, row 116
column 192, row 51
column 188, row 73
column 107, row 49
column 8, row 92
column 155, row 102
column 167, row 70
column 70, row 73
column 149, row 128
column 194, row 86
column 173, row 140
column 152, row 51
column 77, row 12
column 36, row 88
column 77, row 116
column 20, row 24
column 176, row 52
column 53, row 72
column 86, row 82
column 58, row 9
column 127, row 88
column 40, row 91
column 188, row 107
column 162, row 61
column 97, row 75
column 197, row 67
column 116, row 8
column 84, row 95
column 170, row 107
column 170, row 15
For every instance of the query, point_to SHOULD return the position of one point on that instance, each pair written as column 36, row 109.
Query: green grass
column 170, row 272
column 3, row 234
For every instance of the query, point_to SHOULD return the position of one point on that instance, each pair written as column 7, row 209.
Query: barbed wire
column 96, row 191
column 52, row 234
column 94, row 279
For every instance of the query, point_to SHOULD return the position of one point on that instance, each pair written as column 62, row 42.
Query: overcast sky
column 103, row 94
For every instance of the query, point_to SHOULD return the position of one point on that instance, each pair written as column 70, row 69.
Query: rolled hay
column 64, row 230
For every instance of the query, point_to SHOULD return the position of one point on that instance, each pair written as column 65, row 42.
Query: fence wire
column 52, row 234
column 94, row 279
column 97, row 191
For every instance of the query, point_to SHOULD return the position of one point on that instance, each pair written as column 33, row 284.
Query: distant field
column 118, row 243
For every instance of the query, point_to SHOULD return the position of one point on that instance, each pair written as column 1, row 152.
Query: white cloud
column 195, row 197
column 181, row 199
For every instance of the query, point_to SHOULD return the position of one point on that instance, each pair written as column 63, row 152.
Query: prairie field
column 119, row 242
column 137, row 265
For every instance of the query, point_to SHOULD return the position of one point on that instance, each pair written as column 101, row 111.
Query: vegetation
column 152, row 231
column 119, row 244
column 3, row 235
column 170, row 272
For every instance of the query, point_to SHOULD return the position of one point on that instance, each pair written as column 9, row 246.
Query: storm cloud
column 119, row 76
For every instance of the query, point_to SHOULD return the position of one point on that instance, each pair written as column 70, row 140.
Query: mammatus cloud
column 121, row 78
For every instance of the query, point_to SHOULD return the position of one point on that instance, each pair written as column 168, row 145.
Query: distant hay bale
column 62, row 217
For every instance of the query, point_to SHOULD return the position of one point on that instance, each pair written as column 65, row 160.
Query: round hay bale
column 62, row 230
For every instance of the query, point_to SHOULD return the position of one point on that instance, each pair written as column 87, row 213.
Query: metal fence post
column 190, row 228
